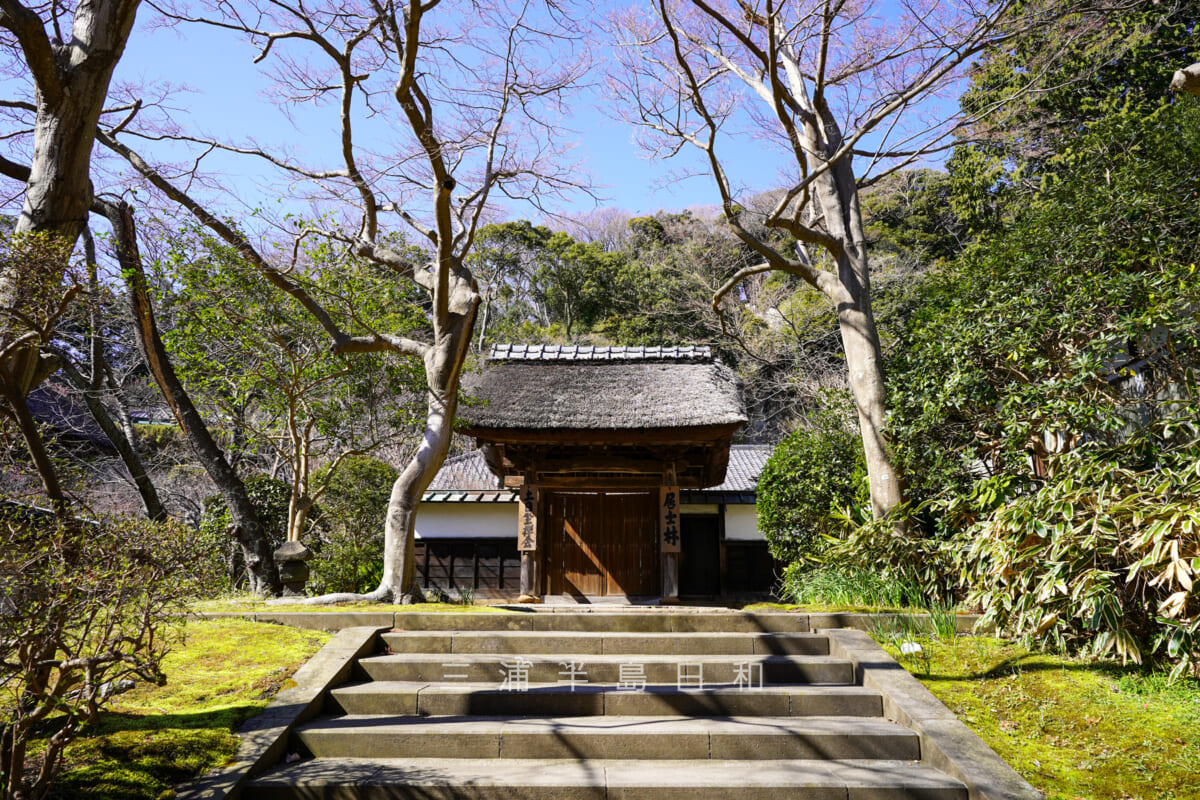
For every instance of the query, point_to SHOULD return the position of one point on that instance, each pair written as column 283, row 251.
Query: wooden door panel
column 601, row 544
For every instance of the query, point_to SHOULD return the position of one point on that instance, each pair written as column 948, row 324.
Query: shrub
column 813, row 472
column 350, row 526
column 1103, row 556
column 270, row 497
column 847, row 586
column 83, row 613
column 920, row 566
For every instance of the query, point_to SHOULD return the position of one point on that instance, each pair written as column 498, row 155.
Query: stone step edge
column 436, row 700
column 770, row 725
column 603, row 738
column 464, row 687
column 946, row 743
column 606, row 643
column 733, row 778
column 608, row 658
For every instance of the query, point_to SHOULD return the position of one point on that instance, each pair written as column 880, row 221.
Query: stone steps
column 419, row 698
column 598, row 737
column 690, row 671
column 624, row 779
column 629, row 621
column 585, row 643
column 694, row 705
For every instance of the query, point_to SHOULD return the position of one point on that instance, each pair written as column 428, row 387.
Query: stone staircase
column 668, row 705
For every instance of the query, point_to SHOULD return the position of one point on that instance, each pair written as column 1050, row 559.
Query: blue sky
column 226, row 96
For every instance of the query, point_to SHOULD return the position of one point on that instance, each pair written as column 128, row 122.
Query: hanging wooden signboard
column 668, row 519
column 527, row 527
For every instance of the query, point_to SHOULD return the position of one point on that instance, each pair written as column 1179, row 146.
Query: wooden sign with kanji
column 668, row 516
column 527, row 530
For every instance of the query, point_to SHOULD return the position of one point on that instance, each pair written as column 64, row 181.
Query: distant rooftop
column 580, row 352
column 467, row 479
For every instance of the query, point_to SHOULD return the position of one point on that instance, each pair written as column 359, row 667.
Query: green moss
column 831, row 608
column 154, row 737
column 253, row 605
column 1072, row 728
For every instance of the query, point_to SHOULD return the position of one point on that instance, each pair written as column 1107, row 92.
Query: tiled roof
column 465, row 473
column 506, row 496
column 61, row 407
column 746, row 462
column 466, row 479
column 574, row 352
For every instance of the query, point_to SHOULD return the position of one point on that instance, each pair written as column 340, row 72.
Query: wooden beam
column 599, row 483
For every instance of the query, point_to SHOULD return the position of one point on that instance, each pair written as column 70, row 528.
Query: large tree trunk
column 443, row 366
column 864, row 361
column 246, row 527
column 838, row 195
column 71, row 82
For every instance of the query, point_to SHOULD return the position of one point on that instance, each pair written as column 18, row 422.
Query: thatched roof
column 610, row 388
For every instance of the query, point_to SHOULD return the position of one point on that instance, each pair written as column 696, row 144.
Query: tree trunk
column 837, row 193
column 42, row 461
column 443, row 366
column 864, row 361
column 483, row 323
column 71, row 82
column 121, row 443
column 246, row 527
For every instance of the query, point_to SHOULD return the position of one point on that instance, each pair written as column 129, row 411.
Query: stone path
column 636, row 705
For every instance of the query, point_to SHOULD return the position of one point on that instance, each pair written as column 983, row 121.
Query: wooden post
column 669, row 539
column 527, row 544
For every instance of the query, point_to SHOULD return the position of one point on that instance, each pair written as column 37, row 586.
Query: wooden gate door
column 599, row 545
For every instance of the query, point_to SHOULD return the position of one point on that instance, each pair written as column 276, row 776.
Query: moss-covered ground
column 1075, row 729
column 829, row 608
column 154, row 737
column 248, row 604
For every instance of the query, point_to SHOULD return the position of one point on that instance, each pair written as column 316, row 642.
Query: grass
column 833, row 608
column 154, row 737
column 1075, row 729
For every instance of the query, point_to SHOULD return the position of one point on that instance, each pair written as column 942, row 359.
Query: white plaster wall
column 474, row 520
column 493, row 520
column 741, row 523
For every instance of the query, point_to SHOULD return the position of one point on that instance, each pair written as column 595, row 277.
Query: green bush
column 813, row 473
column 350, row 526
column 898, row 551
column 270, row 497
column 847, row 585
column 1103, row 556
column 85, row 610
column 1041, row 399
